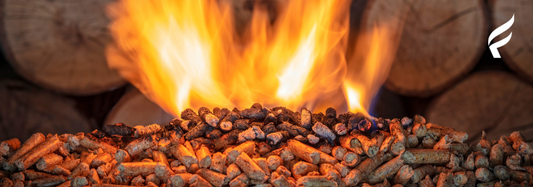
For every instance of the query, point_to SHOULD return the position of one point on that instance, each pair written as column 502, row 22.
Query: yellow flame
column 186, row 53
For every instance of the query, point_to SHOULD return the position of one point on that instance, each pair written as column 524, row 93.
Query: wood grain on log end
column 441, row 41
column 518, row 52
column 491, row 101
column 26, row 110
column 135, row 109
column 58, row 44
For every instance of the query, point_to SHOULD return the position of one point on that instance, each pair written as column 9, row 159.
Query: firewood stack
column 268, row 147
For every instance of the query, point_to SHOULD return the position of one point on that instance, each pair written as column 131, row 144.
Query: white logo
column 494, row 47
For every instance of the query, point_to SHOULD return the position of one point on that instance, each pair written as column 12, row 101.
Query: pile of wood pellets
column 264, row 147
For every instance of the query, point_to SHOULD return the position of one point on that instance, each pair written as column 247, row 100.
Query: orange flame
column 186, row 53
column 372, row 60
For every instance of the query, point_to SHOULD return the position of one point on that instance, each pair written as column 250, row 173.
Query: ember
column 280, row 153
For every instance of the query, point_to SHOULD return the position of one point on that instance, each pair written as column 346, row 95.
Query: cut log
column 441, row 41
column 491, row 101
column 518, row 52
column 26, row 110
column 59, row 44
column 135, row 109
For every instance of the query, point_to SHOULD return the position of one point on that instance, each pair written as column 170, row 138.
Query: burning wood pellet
column 426, row 156
column 179, row 169
column 215, row 178
column 400, row 140
column 315, row 181
column 88, row 157
column 421, row 172
column 351, row 159
column 263, row 147
column 122, row 156
column 428, row 182
column 196, row 131
column 445, row 179
column 386, row 170
column 208, row 116
column 50, row 145
column 92, row 142
column 233, row 171
column 162, row 171
column 404, row 174
column 227, row 123
column 160, row 157
column 48, row 161
column 58, row 170
column 147, row 130
column 370, row 147
column 204, row 157
column 241, row 180
column 218, row 162
column 48, row 181
column 324, row 132
column 137, row 146
column 338, row 152
column 331, row 173
column 304, row 151
column 93, row 177
column 443, row 143
column 186, row 156
column 366, row 167
column 32, row 175
column 81, row 170
column 180, row 179
column 137, row 181
column 8, row 146
column 118, row 129
column 131, row 169
column 248, row 166
column 305, row 119
column 302, row 168
column 246, row 147
column 103, row 170
column 33, row 141
column 275, row 138
column 484, row 174
column 197, row 181
column 101, row 159
column 274, row 162
column 263, row 164
column 460, row 178
column 279, row 180
column 153, row 179
column 79, row 182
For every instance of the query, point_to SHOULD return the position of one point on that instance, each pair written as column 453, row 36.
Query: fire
column 186, row 53
column 372, row 61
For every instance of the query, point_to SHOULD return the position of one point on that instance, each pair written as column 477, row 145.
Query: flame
column 376, row 53
column 187, row 53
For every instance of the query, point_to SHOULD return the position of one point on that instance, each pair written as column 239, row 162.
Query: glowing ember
column 186, row 53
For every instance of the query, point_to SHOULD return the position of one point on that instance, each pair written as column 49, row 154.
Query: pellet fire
column 265, row 147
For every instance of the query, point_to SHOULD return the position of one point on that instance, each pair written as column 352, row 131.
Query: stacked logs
column 268, row 147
